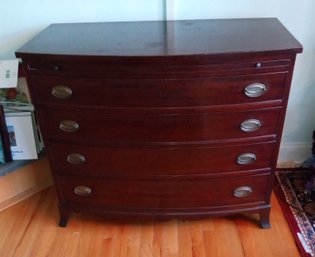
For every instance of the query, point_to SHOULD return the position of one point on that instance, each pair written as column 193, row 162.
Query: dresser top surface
column 163, row 38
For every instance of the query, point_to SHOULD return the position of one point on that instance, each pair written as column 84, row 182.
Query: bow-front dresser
column 162, row 119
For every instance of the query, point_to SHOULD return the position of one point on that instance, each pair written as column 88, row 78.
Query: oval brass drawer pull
column 76, row 158
column 242, row 191
column 69, row 126
column 250, row 125
column 255, row 90
column 246, row 158
column 82, row 190
column 56, row 68
column 61, row 92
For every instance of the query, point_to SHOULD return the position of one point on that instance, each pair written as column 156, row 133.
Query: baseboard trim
column 24, row 182
column 295, row 153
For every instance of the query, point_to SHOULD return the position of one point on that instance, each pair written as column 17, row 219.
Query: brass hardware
column 246, row 158
column 242, row 191
column 69, row 126
column 250, row 125
column 82, row 190
column 61, row 92
column 76, row 158
column 56, row 67
column 255, row 90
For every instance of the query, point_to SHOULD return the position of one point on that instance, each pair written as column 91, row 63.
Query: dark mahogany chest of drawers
column 162, row 119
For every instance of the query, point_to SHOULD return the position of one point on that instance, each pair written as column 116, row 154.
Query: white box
column 21, row 134
column 8, row 73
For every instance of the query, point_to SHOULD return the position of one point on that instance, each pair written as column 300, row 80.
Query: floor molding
column 295, row 152
column 24, row 182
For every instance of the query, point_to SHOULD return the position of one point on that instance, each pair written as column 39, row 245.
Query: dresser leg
column 265, row 218
column 64, row 216
column 63, row 222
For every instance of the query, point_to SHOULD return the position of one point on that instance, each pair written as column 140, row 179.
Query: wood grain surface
column 29, row 229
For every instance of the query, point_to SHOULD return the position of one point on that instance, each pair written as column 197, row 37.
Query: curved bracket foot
column 63, row 222
column 265, row 218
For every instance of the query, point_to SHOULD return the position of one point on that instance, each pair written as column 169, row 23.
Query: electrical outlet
column 8, row 73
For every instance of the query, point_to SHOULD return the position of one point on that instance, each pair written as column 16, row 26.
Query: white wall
column 20, row 20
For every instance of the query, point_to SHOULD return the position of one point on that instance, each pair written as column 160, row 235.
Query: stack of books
column 21, row 125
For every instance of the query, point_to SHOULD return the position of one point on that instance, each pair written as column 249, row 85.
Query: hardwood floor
column 29, row 229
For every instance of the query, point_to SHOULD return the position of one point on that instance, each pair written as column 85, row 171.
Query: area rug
column 295, row 190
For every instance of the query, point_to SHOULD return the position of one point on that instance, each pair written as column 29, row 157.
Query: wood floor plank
column 39, row 222
column 13, row 224
column 88, row 242
column 169, row 247
column 130, row 241
column 184, row 239
column 224, row 240
column 111, row 240
column 30, row 229
column 69, row 239
column 197, row 240
column 157, row 239
column 279, row 238
column 48, row 232
column 146, row 240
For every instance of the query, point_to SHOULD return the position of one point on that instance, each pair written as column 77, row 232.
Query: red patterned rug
column 295, row 190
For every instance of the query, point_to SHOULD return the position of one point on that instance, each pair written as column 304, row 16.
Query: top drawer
column 157, row 92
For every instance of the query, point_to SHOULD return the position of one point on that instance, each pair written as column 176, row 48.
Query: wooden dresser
column 162, row 119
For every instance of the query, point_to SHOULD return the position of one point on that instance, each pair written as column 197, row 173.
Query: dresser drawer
column 170, row 193
column 96, row 127
column 158, row 92
column 97, row 161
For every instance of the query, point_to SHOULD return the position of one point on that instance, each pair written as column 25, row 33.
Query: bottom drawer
column 166, row 193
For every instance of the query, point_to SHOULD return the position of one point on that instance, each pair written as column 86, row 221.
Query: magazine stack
column 23, row 132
